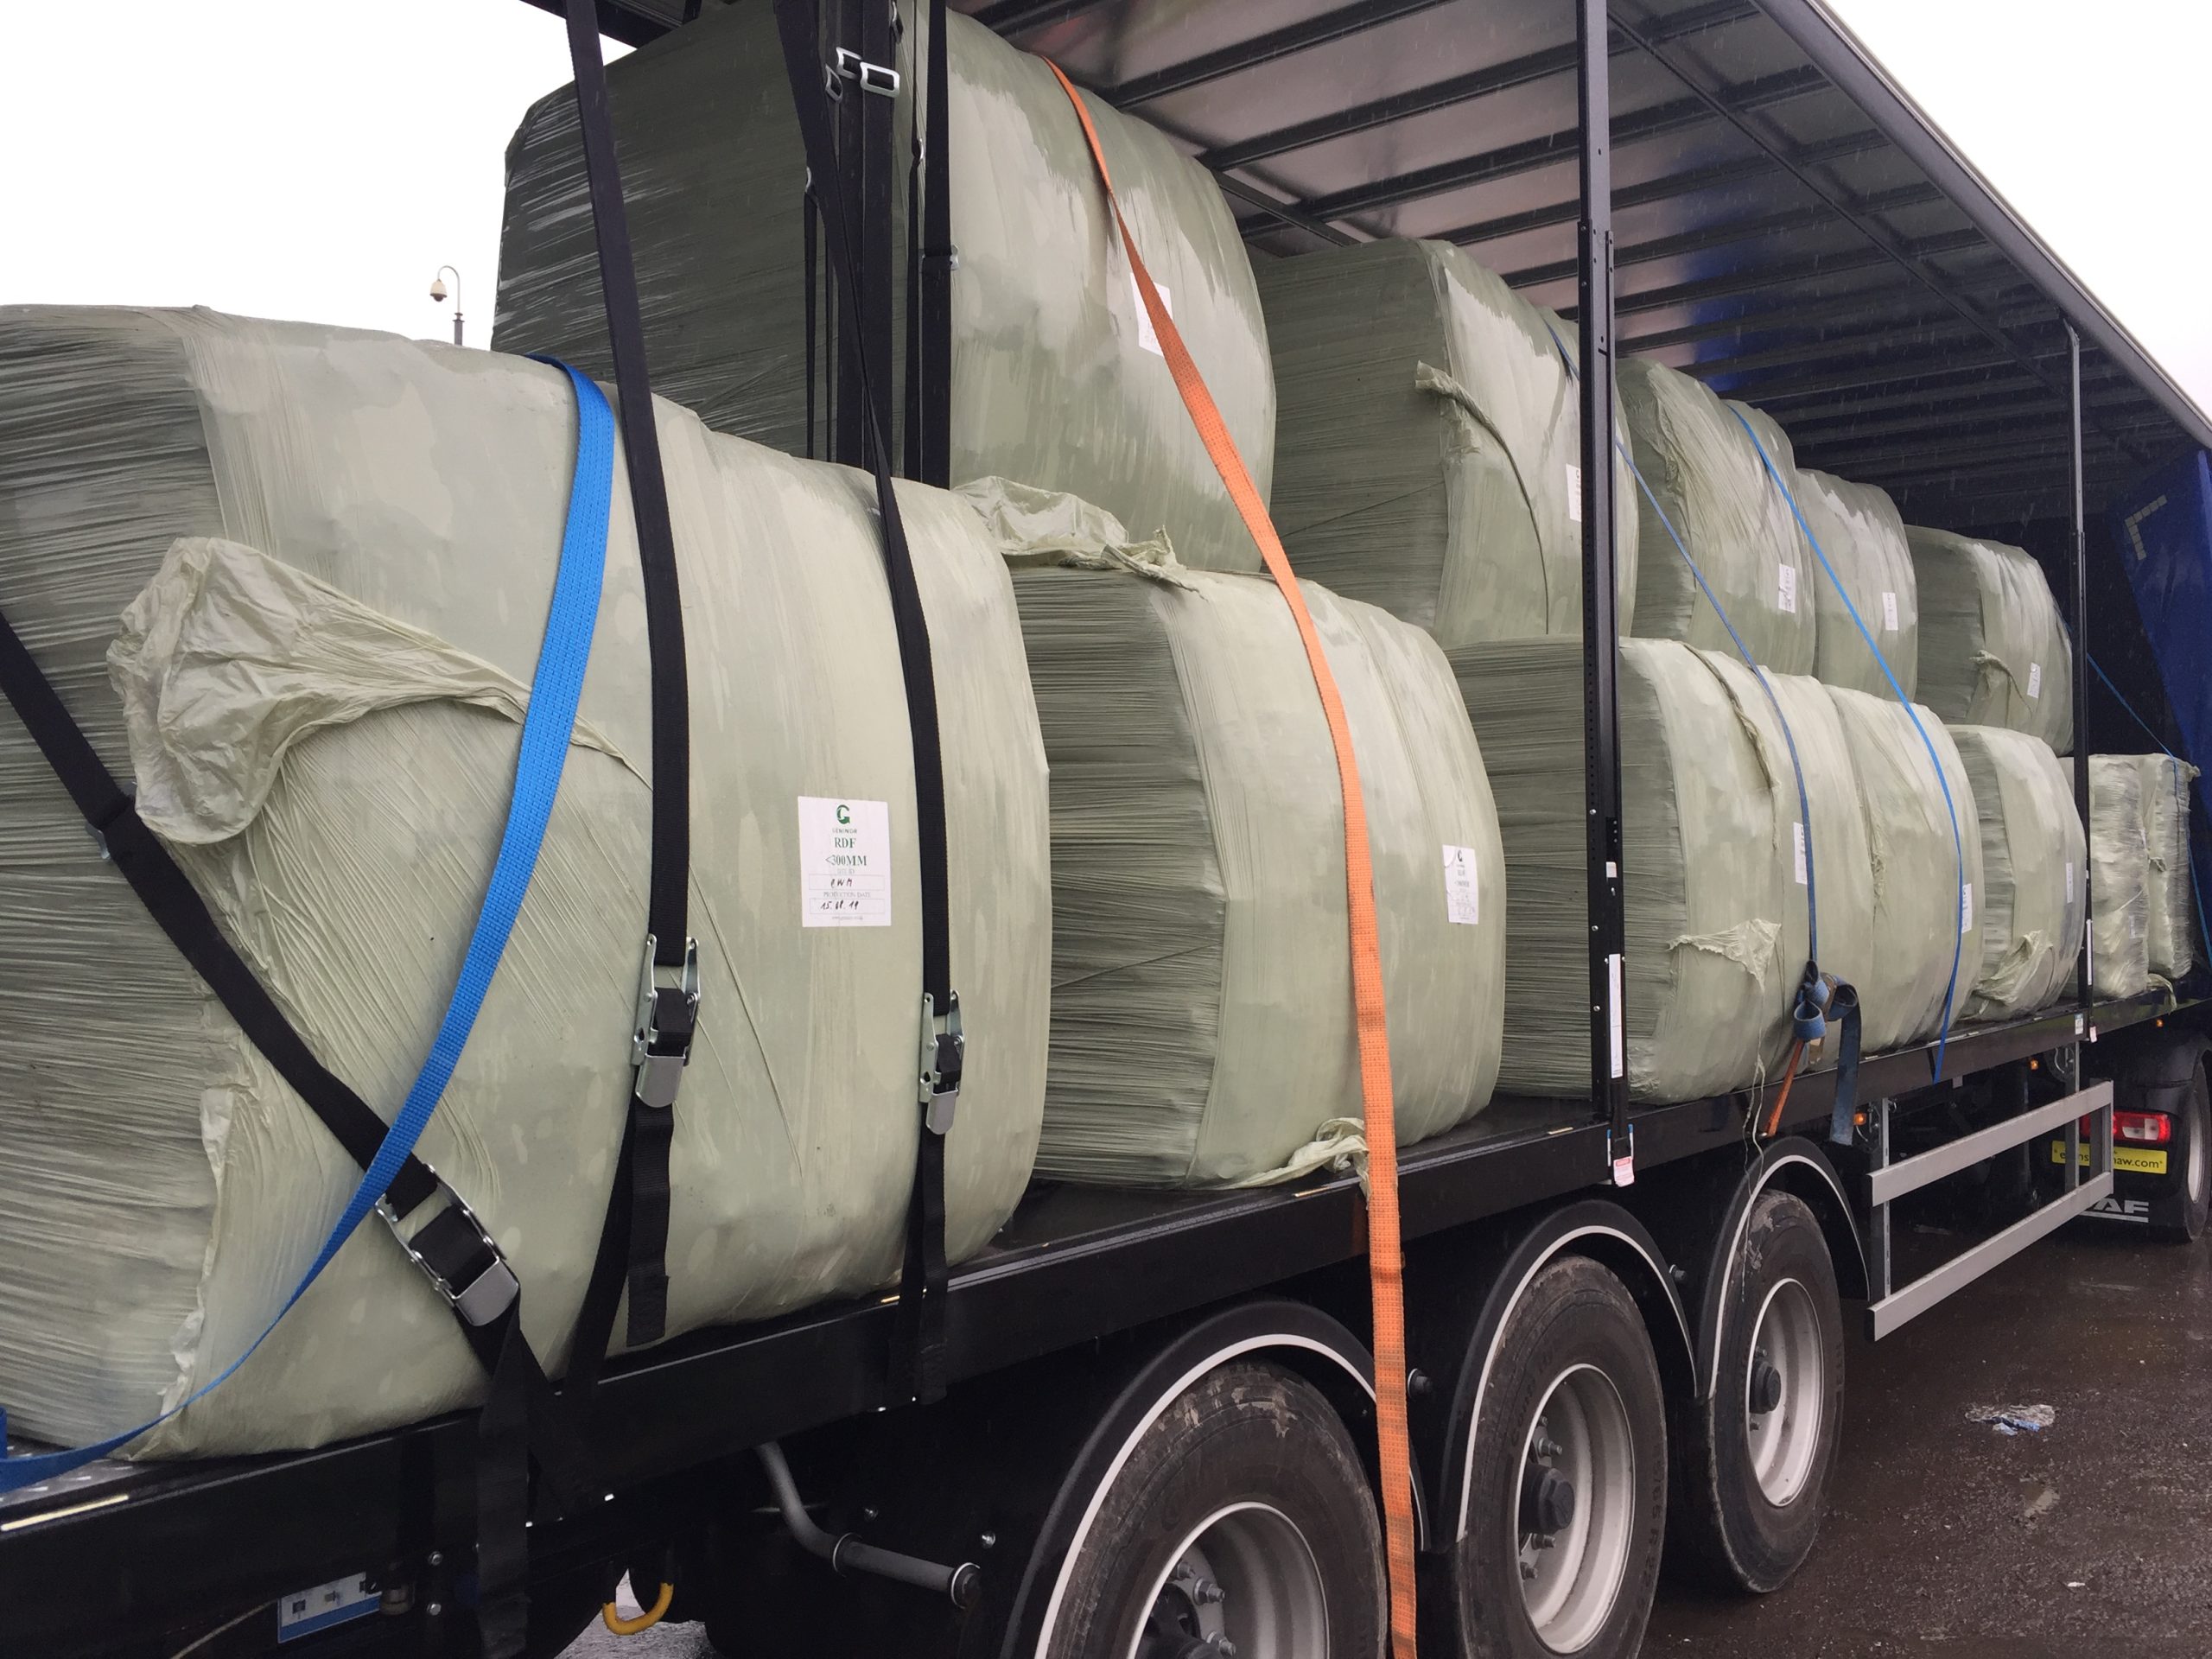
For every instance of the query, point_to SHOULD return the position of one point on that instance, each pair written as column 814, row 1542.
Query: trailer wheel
column 1241, row 1522
column 1752, row 1455
column 1567, row 1490
column 2193, row 1152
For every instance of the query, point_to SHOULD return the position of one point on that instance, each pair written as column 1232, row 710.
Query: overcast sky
column 306, row 158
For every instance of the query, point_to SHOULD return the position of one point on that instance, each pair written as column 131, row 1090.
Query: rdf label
column 1463, row 900
column 844, row 862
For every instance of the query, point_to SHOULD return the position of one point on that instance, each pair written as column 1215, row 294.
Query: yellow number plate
column 2133, row 1160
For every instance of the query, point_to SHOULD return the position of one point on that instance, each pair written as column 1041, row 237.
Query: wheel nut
column 1206, row 1592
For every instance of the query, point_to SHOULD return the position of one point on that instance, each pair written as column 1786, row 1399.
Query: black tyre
column 1751, row 1458
column 1241, row 1515
column 1567, row 1501
column 2191, row 1158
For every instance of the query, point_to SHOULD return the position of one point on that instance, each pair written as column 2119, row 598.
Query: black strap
column 651, row 1127
column 938, row 258
column 918, row 1355
column 810, row 264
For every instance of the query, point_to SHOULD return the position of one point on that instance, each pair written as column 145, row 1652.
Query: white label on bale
column 1797, row 841
column 1966, row 908
column 1463, row 899
column 1613, row 1022
column 1889, row 613
column 1786, row 594
column 1574, row 494
column 2069, row 882
column 1147, row 336
column 844, row 862
column 2035, row 679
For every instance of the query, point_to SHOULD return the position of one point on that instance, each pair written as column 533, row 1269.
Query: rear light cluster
column 2138, row 1129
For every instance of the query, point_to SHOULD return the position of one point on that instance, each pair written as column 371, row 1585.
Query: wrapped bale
column 2120, row 878
column 1045, row 309
column 1928, row 875
column 1712, row 857
column 1713, row 491
column 1201, row 1029
column 1993, row 648
column 2033, row 851
column 333, row 553
column 1863, row 536
column 2173, row 920
column 1428, row 441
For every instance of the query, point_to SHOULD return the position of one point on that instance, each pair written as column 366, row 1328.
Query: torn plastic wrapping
column 1710, row 484
column 1046, row 316
column 2034, row 896
column 1202, row 1024
column 2173, row 920
column 1716, row 917
column 335, row 549
column 1863, row 538
column 1928, row 885
column 1993, row 650
column 1428, row 443
column 2120, row 877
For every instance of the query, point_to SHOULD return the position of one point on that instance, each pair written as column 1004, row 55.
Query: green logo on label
column 844, row 813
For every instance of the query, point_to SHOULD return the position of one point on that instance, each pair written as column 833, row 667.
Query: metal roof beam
column 1343, row 22
column 1563, row 145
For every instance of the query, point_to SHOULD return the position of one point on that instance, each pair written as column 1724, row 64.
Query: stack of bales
column 1993, row 650
column 2174, row 920
column 2033, row 900
column 332, row 553
column 2119, row 875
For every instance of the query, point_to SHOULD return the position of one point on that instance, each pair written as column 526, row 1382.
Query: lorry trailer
column 1155, row 1429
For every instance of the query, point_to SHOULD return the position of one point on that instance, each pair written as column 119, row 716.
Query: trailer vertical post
column 2081, row 549
column 1601, row 625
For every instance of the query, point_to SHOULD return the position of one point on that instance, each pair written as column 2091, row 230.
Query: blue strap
column 549, row 724
column 1807, row 1016
column 1958, row 846
column 2196, row 885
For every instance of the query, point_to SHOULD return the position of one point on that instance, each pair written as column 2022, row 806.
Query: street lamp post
column 438, row 291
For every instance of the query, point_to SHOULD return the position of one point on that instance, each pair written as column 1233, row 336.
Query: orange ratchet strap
column 1385, row 1265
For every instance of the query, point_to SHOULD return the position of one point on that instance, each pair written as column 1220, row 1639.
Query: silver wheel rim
column 1782, row 1441
column 1243, row 1583
column 1570, row 1577
column 2199, row 1160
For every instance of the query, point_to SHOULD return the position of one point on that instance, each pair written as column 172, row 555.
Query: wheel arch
column 1603, row 1231
column 1796, row 1166
column 1296, row 1335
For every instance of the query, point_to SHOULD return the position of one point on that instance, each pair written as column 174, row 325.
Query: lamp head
column 437, row 288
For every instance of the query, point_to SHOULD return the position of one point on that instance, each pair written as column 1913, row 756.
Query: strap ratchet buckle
column 877, row 78
column 668, row 1014
column 457, row 1255
column 944, row 1051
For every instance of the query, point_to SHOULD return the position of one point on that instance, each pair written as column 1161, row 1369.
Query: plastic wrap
column 1716, row 917
column 1922, row 923
column 2032, row 900
column 1706, row 474
column 2120, row 877
column 2173, row 920
column 1046, row 318
column 1993, row 648
column 1202, row 1012
column 333, row 552
column 1864, row 539
column 1428, row 441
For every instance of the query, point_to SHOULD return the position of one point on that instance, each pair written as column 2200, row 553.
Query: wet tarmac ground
column 1946, row 1539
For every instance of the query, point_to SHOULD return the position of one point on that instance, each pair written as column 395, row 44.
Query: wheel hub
column 1244, row 1585
column 1785, row 1393
column 1766, row 1390
column 1575, row 1510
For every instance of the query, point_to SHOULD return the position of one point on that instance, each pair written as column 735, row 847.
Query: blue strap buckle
column 1809, row 1017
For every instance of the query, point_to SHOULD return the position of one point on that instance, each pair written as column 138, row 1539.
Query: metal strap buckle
column 877, row 78
column 668, row 1014
column 944, row 1051
column 490, row 1292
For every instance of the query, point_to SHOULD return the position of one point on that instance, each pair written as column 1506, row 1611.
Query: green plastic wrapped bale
column 1714, row 492
column 2120, row 877
column 1716, row 920
column 1057, row 374
column 1863, row 538
column 1202, row 1027
column 1928, row 875
column 331, row 554
column 1428, row 441
column 2173, row 918
column 2033, row 854
column 1993, row 648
